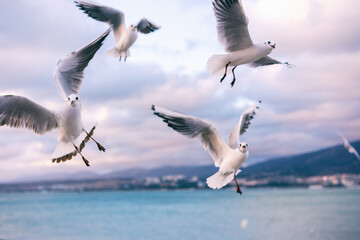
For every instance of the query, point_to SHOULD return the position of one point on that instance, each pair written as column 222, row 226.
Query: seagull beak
column 72, row 102
column 273, row 46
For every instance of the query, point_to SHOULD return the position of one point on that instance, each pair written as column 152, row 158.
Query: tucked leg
column 83, row 158
column 234, row 79
column 238, row 190
column 226, row 67
column 101, row 148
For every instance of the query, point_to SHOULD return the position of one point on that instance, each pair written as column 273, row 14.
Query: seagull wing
column 352, row 150
column 242, row 125
column 346, row 142
column 348, row 146
column 194, row 127
column 264, row 61
column 113, row 17
column 232, row 25
column 69, row 71
column 145, row 26
column 20, row 112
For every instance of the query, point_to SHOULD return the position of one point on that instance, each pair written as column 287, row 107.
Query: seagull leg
column 83, row 158
column 238, row 190
column 120, row 59
column 101, row 148
column 234, row 79
column 125, row 58
column 226, row 66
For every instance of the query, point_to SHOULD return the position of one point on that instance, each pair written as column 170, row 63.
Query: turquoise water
column 257, row 214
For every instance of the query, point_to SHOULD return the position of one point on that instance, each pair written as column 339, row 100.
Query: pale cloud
column 301, row 106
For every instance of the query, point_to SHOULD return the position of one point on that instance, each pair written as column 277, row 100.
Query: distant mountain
column 187, row 171
column 327, row 161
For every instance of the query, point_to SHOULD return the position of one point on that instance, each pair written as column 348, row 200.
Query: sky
column 301, row 107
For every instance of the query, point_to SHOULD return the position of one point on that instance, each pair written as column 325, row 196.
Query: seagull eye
column 240, row 145
column 68, row 98
column 77, row 98
column 269, row 42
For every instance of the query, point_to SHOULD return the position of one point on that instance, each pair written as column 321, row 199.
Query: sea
column 295, row 214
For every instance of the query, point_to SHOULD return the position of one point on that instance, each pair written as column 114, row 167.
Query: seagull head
column 73, row 100
column 133, row 27
column 243, row 147
column 270, row 44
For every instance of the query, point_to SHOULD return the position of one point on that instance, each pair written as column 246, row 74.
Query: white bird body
column 233, row 34
column 233, row 160
column 126, row 40
column 229, row 167
column 228, row 157
column 17, row 111
column 124, row 37
column 248, row 55
column 70, row 122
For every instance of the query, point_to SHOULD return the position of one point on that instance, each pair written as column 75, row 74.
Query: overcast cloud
column 301, row 106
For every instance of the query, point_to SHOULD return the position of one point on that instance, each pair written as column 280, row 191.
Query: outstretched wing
column 20, row 112
column 348, row 146
column 69, row 71
column 194, row 127
column 242, row 125
column 145, row 26
column 113, row 17
column 232, row 25
column 264, row 61
column 353, row 150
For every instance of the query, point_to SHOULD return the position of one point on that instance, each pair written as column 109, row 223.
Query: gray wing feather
column 145, row 26
column 113, row 17
column 243, row 124
column 232, row 25
column 69, row 71
column 264, row 62
column 193, row 127
column 20, row 112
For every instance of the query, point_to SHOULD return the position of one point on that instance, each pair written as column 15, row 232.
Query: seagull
column 233, row 34
column 227, row 157
column 124, row 37
column 20, row 112
column 348, row 146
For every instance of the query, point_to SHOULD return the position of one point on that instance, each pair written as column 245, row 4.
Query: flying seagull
column 227, row 157
column 124, row 37
column 348, row 146
column 233, row 34
column 20, row 112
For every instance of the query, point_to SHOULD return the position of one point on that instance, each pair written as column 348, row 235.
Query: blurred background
column 294, row 128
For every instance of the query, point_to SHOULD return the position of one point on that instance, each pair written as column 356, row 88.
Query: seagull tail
column 216, row 64
column 219, row 180
column 65, row 150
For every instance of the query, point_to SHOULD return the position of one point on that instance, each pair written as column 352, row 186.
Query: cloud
column 301, row 106
column 305, row 26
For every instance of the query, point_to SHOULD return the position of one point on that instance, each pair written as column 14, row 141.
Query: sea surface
column 202, row 214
